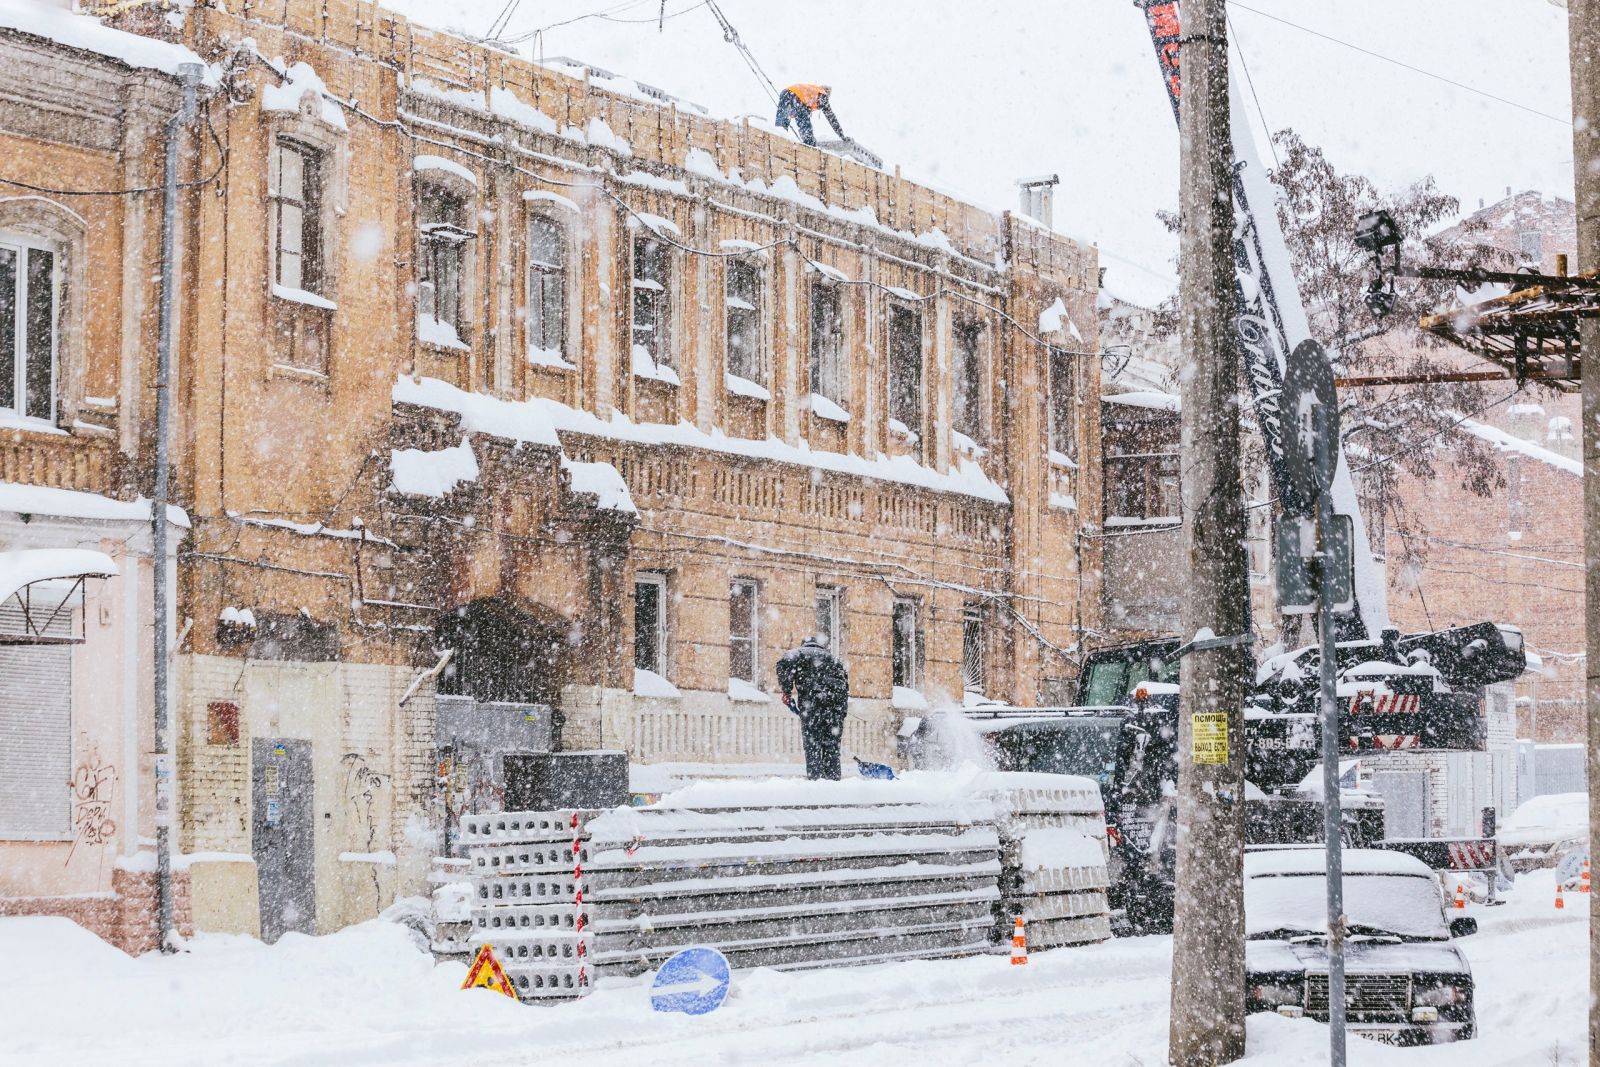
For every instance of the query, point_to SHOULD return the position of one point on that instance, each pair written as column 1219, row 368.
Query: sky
column 969, row 95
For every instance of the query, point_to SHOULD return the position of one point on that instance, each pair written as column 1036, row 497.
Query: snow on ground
column 370, row 995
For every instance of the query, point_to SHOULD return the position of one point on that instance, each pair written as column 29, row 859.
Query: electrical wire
column 519, row 38
column 731, row 35
column 1401, row 63
column 222, row 163
column 501, row 19
column 1244, row 64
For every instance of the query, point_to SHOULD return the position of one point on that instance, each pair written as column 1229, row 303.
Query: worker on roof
column 796, row 103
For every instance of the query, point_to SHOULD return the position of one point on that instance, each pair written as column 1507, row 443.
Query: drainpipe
column 189, row 75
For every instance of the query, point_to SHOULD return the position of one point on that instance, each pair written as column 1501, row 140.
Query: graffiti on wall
column 93, row 784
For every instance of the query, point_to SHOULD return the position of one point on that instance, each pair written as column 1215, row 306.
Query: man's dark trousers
column 819, row 736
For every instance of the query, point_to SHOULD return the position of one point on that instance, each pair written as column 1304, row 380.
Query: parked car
column 1545, row 829
column 1405, row 982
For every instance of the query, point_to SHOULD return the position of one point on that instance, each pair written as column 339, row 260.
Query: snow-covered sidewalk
column 369, row 995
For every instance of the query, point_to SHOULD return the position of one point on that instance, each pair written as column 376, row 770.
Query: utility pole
column 1583, row 35
column 161, row 594
column 1208, row 978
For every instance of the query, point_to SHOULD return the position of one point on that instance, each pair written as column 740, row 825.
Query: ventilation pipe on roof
column 1036, row 194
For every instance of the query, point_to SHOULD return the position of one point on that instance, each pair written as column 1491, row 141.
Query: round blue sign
column 695, row 982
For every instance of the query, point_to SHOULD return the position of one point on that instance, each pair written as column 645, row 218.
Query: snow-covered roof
column 90, row 35
column 1508, row 442
column 26, row 566
column 1145, row 398
column 73, row 504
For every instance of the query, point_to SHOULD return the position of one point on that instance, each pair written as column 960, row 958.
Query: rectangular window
column 968, row 375
column 828, row 366
column 547, row 298
column 650, row 623
column 905, row 655
column 36, row 759
column 27, row 329
column 743, row 630
column 445, row 230
column 651, row 299
column 830, row 618
column 1532, row 245
column 742, row 302
column 974, row 675
column 1143, row 486
column 1063, row 428
column 297, row 215
column 905, row 368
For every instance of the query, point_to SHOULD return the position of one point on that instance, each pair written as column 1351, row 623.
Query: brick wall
column 126, row 916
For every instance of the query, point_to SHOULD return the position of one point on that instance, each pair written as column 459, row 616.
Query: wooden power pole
column 1208, row 978
column 1583, row 22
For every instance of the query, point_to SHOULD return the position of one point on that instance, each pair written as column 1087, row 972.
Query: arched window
column 41, row 311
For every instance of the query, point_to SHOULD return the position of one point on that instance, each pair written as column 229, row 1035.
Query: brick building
column 517, row 395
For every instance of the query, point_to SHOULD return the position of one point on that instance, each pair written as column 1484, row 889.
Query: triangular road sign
column 486, row 971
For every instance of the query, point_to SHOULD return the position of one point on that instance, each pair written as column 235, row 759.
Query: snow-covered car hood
column 1546, row 836
column 1360, row 957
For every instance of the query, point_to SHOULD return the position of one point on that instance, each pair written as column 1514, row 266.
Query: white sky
column 968, row 95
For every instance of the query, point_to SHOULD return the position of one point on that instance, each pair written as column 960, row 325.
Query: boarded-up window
column 968, row 375
column 743, row 630
column 829, row 370
column 36, row 756
column 905, row 368
column 546, row 286
column 742, row 304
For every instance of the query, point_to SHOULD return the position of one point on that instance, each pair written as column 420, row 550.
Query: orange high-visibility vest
column 809, row 95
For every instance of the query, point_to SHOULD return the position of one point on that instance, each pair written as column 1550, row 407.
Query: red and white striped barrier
column 577, row 902
column 1370, row 702
column 1471, row 855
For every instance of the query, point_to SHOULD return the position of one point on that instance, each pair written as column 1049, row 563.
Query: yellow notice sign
column 1210, row 736
column 487, row 972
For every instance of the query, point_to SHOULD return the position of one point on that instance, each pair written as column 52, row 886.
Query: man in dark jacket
column 816, row 687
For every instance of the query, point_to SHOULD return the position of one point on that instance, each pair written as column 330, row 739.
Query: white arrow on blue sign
column 695, row 981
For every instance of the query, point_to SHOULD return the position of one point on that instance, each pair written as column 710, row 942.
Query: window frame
column 830, row 599
column 969, row 378
column 974, row 648
column 312, row 253
column 1062, row 429
column 23, row 248
column 897, row 397
column 661, row 302
column 449, row 240
column 656, row 580
column 753, row 638
column 905, row 663
column 829, row 353
column 749, row 309
column 556, row 275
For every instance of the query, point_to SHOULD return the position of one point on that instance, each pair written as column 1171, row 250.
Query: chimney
column 1036, row 195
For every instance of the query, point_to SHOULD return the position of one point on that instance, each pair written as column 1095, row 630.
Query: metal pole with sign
column 1314, row 563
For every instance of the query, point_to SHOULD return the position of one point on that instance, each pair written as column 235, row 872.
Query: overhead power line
column 1401, row 63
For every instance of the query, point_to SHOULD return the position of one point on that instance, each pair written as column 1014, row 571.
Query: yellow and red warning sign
column 486, row 971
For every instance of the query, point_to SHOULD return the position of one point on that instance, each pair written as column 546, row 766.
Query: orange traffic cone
column 1559, row 902
column 1583, row 879
column 1461, row 899
column 1019, row 944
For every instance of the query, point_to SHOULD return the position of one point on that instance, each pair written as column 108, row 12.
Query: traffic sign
column 1295, row 551
column 1310, row 408
column 487, row 972
column 695, row 981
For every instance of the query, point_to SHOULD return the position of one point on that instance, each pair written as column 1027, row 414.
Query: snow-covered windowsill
column 823, row 408
column 908, row 699
column 548, row 358
column 301, row 296
column 742, row 692
column 1060, row 459
column 12, row 421
column 439, row 334
column 745, row 387
column 650, row 684
column 646, row 367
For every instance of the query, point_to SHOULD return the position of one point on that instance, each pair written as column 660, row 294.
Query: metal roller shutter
column 35, row 742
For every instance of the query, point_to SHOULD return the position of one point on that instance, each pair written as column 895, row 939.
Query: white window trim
column 842, row 294
column 16, row 416
column 755, row 630
column 664, row 326
column 833, row 596
column 658, row 580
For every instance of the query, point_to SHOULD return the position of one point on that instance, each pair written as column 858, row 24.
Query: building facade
column 514, row 398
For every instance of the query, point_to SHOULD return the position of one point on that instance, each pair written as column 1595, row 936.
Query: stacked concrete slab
column 787, row 875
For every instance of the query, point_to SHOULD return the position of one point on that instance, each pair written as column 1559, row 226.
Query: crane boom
column 1271, row 319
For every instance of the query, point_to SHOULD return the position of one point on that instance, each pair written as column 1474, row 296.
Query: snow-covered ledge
column 650, row 684
column 742, row 692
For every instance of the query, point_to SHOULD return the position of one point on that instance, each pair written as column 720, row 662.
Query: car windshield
column 1111, row 680
column 1279, row 906
column 1065, row 746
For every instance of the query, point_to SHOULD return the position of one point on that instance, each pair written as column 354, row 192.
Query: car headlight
column 1440, row 991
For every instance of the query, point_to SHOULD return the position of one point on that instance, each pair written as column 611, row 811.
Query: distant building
column 514, row 402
